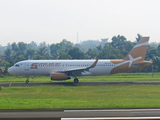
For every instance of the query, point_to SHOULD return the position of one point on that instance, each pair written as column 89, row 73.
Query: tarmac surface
column 81, row 114
column 81, row 83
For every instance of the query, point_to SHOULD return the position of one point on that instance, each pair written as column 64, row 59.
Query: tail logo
column 132, row 59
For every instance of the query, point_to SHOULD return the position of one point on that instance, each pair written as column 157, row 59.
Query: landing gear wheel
column 76, row 80
column 27, row 81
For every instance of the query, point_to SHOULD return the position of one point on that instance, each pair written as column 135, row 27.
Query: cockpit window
column 16, row 65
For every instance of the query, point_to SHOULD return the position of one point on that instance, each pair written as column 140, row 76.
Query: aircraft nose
column 10, row 70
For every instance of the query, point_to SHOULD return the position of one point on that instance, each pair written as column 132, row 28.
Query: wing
column 78, row 71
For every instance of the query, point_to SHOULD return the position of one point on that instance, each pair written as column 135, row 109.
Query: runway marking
column 118, row 110
column 113, row 118
column 10, row 84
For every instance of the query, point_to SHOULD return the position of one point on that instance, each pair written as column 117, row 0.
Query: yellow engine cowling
column 59, row 76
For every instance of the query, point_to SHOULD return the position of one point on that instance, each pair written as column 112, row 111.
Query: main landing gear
column 76, row 80
column 27, row 81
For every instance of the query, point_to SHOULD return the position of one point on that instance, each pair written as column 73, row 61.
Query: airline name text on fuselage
column 35, row 65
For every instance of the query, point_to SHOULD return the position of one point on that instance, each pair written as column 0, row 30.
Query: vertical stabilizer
column 139, row 50
column 134, row 60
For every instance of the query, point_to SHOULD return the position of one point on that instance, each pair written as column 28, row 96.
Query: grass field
column 132, row 96
column 140, row 96
column 116, row 77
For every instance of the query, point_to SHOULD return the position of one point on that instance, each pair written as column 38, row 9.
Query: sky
column 54, row 20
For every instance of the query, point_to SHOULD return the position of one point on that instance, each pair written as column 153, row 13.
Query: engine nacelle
column 59, row 76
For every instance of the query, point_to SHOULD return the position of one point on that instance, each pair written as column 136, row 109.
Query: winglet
column 94, row 64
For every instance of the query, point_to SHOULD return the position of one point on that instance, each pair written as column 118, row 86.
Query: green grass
column 116, row 77
column 140, row 96
column 133, row 96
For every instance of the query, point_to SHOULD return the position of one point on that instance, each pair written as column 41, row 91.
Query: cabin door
column 26, row 66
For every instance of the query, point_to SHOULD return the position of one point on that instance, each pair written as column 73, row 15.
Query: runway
column 81, row 114
column 81, row 83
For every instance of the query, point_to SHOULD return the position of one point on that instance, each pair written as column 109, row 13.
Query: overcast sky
column 54, row 20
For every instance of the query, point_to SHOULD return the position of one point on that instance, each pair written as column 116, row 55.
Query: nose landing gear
column 27, row 81
column 76, row 80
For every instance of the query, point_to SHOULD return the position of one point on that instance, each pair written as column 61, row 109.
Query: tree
column 15, row 47
column 30, row 53
column 65, row 45
column 156, row 63
column 109, row 52
column 2, row 49
column 22, row 46
column 56, row 49
column 8, row 55
column 104, row 41
column 32, row 45
column 19, row 58
column 92, row 53
column 42, row 45
column 3, row 63
column 42, row 53
column 138, row 37
column 76, row 53
column 9, row 46
column 118, row 41
column 63, row 55
column 99, row 47
column 85, row 45
column 127, row 46
column 159, row 48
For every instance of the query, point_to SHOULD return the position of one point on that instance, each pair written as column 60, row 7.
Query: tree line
column 118, row 48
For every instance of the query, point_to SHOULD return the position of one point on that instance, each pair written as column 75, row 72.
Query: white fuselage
column 46, row 67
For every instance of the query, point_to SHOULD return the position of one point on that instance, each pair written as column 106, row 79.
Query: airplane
column 65, row 69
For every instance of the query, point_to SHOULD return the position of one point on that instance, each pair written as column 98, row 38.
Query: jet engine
column 59, row 76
